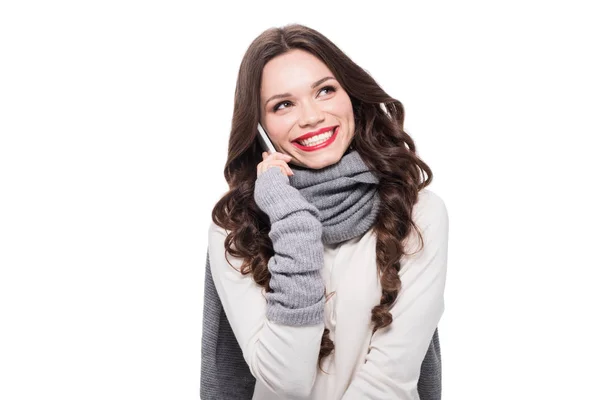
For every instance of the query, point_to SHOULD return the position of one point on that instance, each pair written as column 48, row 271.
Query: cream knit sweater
column 384, row 365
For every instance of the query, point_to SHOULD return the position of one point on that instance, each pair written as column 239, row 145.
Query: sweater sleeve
column 280, row 332
column 298, row 296
column 392, row 366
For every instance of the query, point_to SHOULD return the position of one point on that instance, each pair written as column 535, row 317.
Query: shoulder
column 216, row 232
column 216, row 237
column 217, row 253
column 430, row 216
column 430, row 208
column 216, row 240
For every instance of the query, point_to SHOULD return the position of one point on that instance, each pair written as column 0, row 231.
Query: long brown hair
column 379, row 139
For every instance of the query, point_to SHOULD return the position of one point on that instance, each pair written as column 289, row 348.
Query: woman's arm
column 392, row 366
column 279, row 332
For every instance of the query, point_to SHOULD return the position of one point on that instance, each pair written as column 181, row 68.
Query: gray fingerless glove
column 298, row 289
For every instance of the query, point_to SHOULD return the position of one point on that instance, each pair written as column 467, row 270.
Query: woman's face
column 300, row 96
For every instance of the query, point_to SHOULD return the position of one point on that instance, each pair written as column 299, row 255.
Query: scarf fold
column 348, row 202
column 345, row 194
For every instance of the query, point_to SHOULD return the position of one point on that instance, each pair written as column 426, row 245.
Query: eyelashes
column 329, row 88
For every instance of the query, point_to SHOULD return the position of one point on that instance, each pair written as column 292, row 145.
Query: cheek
column 279, row 127
column 342, row 107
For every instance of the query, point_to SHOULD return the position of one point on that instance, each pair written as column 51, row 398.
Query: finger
column 282, row 156
column 286, row 168
column 279, row 156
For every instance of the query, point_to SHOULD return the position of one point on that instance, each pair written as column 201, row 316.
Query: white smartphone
column 265, row 142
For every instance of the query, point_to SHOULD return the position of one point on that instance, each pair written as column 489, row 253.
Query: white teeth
column 317, row 139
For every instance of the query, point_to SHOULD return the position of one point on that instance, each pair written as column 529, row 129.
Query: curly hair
column 379, row 138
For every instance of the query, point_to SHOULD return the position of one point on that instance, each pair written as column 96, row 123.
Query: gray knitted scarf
column 346, row 197
column 345, row 194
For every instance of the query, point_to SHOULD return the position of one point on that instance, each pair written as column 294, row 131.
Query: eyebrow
column 314, row 85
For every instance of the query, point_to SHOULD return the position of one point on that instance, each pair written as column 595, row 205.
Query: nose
column 311, row 114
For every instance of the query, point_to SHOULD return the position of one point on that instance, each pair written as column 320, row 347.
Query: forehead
column 292, row 71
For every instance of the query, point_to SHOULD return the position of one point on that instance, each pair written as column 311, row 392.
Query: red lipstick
column 311, row 134
column 320, row 145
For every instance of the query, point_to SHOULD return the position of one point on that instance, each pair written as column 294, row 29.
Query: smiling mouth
column 317, row 139
column 317, row 142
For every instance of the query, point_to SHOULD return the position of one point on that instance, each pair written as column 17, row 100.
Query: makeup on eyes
column 331, row 88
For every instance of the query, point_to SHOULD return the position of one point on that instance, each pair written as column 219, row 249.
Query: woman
column 326, row 264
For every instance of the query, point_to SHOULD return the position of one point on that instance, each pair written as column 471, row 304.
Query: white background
column 114, row 122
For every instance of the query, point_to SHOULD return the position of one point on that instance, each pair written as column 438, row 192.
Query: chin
column 323, row 161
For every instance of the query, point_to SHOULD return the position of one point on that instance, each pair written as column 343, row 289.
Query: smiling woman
column 315, row 112
column 324, row 277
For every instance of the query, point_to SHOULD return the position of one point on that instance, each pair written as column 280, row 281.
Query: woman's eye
column 330, row 88
column 279, row 104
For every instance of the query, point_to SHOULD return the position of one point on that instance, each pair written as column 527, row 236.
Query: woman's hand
column 274, row 160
